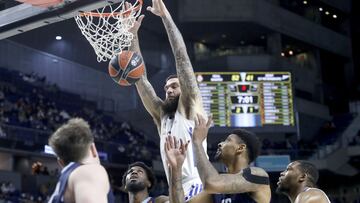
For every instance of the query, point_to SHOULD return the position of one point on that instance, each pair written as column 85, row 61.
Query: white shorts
column 192, row 188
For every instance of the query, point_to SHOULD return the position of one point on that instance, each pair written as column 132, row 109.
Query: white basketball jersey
column 311, row 188
column 181, row 128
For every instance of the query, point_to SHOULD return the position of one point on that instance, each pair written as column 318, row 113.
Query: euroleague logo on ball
column 126, row 68
column 135, row 60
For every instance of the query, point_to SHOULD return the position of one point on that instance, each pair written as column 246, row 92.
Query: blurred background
column 49, row 73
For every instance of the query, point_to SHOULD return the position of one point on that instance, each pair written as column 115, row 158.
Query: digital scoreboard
column 247, row 99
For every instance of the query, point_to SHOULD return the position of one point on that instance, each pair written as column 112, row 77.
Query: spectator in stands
column 2, row 95
column 2, row 133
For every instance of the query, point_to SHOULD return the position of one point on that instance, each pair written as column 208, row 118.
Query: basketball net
column 107, row 29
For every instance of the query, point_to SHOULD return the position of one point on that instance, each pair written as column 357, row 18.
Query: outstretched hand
column 134, row 29
column 158, row 8
column 201, row 128
column 175, row 151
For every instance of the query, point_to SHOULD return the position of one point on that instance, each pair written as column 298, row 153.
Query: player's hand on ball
column 201, row 128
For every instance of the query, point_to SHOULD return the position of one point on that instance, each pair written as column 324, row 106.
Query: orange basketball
column 126, row 68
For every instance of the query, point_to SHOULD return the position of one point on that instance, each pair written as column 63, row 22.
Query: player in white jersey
column 298, row 182
column 176, row 113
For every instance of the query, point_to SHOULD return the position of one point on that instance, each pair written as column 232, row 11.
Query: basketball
column 126, row 68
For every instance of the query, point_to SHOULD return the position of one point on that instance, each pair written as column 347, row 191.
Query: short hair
column 252, row 142
column 72, row 140
column 150, row 175
column 170, row 77
column 310, row 170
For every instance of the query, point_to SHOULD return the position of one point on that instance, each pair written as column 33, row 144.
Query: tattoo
column 149, row 98
column 176, row 190
column 204, row 165
column 221, row 183
column 184, row 68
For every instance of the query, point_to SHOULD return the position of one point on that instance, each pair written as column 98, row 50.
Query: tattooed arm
column 190, row 99
column 146, row 92
column 221, row 183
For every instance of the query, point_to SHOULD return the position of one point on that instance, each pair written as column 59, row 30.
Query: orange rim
column 125, row 13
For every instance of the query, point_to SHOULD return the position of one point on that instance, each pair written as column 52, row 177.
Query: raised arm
column 213, row 181
column 190, row 94
column 175, row 154
column 146, row 92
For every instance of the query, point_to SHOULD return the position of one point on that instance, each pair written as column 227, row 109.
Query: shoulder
column 89, row 172
column 313, row 195
column 258, row 171
column 162, row 199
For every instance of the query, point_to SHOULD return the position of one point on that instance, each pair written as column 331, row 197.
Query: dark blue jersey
column 58, row 195
column 242, row 197
column 233, row 198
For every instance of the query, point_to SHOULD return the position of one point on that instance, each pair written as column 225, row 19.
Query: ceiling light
column 305, row 2
column 334, row 16
column 327, row 12
column 321, row 9
column 282, row 54
column 58, row 37
column 291, row 52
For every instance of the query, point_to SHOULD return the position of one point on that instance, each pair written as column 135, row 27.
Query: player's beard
column 135, row 187
column 170, row 106
column 282, row 188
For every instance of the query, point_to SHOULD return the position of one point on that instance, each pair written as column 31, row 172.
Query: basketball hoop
column 107, row 29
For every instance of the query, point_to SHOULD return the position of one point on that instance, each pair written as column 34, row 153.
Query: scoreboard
column 247, row 99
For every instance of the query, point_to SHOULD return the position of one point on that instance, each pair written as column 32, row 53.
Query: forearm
column 205, row 168
column 135, row 43
column 176, row 191
column 148, row 97
column 184, row 68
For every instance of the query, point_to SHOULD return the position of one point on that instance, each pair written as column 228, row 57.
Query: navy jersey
column 242, row 197
column 233, row 198
column 58, row 195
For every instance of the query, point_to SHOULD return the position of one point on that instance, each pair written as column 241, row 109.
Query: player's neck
column 89, row 160
column 138, row 197
column 237, row 165
column 295, row 192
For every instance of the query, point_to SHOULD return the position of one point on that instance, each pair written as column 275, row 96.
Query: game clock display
column 247, row 99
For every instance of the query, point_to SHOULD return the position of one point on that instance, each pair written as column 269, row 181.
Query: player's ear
column 241, row 148
column 148, row 184
column 302, row 177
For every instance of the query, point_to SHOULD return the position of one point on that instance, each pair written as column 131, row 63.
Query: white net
column 107, row 29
